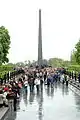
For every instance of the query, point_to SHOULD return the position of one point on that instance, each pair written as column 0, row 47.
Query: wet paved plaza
column 58, row 103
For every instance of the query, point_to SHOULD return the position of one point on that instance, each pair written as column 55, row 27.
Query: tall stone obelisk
column 40, row 62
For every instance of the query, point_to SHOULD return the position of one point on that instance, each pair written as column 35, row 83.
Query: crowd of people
column 32, row 79
column 9, row 91
column 38, row 77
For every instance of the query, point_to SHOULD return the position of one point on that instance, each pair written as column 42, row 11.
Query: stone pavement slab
column 75, row 84
column 3, row 112
column 57, row 103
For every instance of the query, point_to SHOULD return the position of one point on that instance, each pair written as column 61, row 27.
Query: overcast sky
column 60, row 27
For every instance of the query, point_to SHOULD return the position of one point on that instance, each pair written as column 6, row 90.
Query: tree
column 73, row 58
column 1, row 53
column 29, row 62
column 4, row 45
column 26, row 62
column 11, row 64
column 57, row 62
column 77, row 52
column 66, row 63
column 20, row 64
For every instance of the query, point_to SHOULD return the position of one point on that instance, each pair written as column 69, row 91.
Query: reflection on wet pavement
column 57, row 103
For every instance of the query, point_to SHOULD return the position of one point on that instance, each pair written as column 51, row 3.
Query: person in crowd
column 26, row 84
column 62, row 78
column 37, row 83
column 18, row 87
column 65, row 77
column 72, row 75
column 15, row 101
column 41, row 80
column 37, row 74
column 26, row 77
column 14, row 89
column 56, row 77
column 67, row 80
column 45, row 75
column 20, row 80
column 3, row 100
column 52, row 81
column 48, row 80
column 59, row 76
column 79, row 77
column 6, row 88
column 75, row 76
column 19, row 84
column 31, row 83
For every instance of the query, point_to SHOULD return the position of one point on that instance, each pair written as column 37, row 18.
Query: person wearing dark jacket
column 15, row 102
column 14, row 89
column 31, row 83
column 48, row 81
column 75, row 76
column 45, row 75
column 79, row 77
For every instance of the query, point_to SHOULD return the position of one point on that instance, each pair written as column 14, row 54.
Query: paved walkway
column 75, row 83
column 58, row 103
column 3, row 112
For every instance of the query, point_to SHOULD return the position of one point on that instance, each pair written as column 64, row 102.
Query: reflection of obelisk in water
column 40, row 41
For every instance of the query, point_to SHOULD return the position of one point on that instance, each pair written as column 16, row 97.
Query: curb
column 3, row 112
column 74, row 85
column 74, row 89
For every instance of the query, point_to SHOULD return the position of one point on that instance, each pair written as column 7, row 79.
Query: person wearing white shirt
column 37, row 74
column 25, row 85
column 37, row 83
column 67, row 80
column 26, row 77
column 63, row 78
column 41, row 74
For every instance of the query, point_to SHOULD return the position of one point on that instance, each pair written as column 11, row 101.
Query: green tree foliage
column 6, row 68
column 4, row 44
column 11, row 64
column 77, row 52
column 74, row 68
column 20, row 64
column 57, row 62
column 66, row 63
column 73, row 58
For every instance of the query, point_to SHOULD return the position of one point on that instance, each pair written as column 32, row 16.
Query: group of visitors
column 37, row 77
column 9, row 91
column 32, row 79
